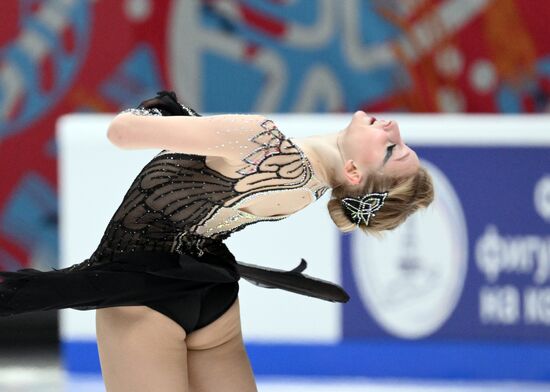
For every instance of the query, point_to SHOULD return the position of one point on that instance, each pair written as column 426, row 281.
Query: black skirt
column 137, row 277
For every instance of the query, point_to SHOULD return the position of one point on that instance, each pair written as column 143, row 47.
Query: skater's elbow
column 117, row 131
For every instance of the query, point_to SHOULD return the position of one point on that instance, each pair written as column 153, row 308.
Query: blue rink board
column 376, row 359
column 463, row 347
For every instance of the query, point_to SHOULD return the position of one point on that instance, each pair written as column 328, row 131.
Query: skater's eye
column 389, row 152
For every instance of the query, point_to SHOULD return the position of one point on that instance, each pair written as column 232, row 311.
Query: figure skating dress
column 164, row 246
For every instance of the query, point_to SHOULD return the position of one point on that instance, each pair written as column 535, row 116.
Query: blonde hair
column 405, row 196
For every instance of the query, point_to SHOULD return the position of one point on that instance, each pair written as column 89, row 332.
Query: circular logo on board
column 541, row 197
column 411, row 279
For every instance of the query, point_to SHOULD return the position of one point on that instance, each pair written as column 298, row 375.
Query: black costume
column 164, row 245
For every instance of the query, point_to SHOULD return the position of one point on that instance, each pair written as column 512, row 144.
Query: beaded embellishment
column 269, row 142
column 143, row 111
column 363, row 208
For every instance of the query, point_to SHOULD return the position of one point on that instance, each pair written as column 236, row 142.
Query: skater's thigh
column 216, row 357
column 141, row 349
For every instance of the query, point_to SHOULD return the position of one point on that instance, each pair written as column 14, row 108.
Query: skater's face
column 375, row 145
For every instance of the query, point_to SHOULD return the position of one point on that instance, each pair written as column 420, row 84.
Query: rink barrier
column 447, row 360
column 475, row 331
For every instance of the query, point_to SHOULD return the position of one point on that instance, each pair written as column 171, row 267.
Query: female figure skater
column 163, row 282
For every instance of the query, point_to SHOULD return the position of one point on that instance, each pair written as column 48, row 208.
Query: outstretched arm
column 220, row 135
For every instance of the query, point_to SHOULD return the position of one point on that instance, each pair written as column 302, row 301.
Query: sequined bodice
column 178, row 195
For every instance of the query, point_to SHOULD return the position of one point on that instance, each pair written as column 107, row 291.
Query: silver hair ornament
column 363, row 208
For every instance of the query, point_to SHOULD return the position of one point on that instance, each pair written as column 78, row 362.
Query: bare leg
column 141, row 350
column 216, row 357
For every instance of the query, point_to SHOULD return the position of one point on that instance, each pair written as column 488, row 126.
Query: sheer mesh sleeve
column 231, row 136
column 247, row 139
